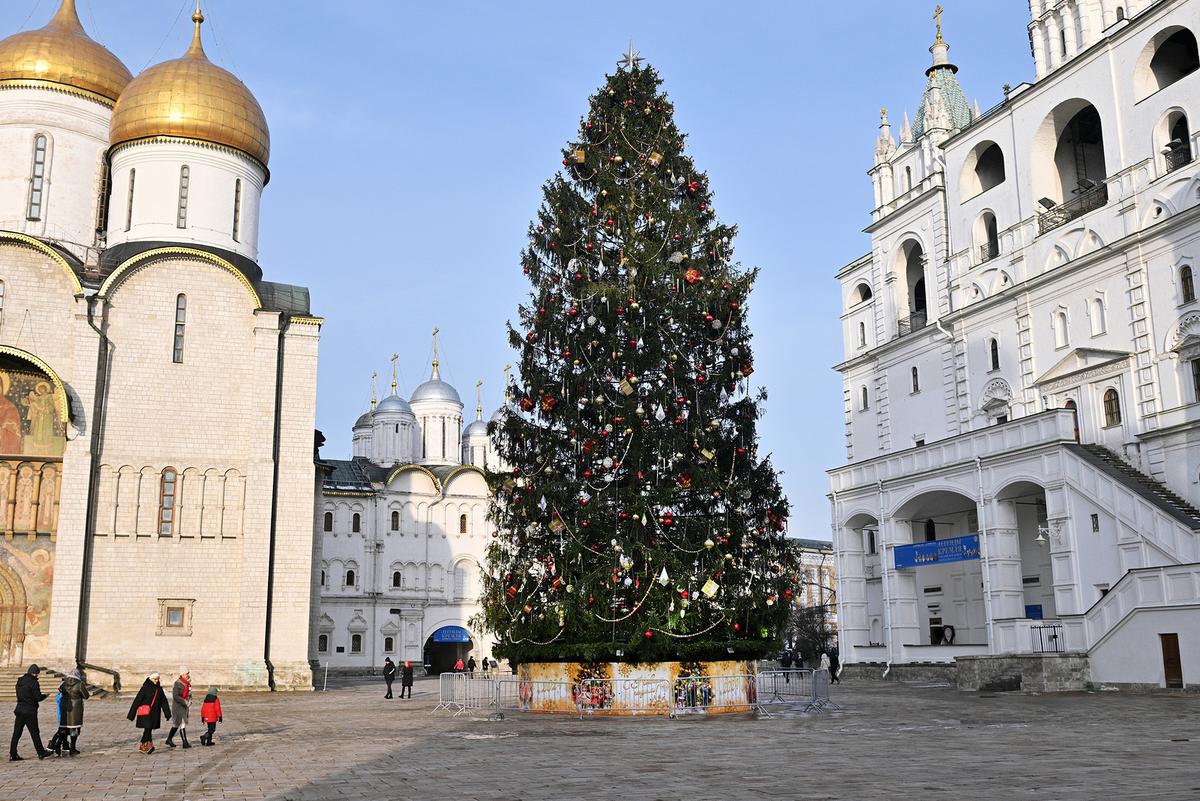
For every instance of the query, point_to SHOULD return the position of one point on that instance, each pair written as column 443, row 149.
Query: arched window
column 862, row 335
column 861, row 293
column 989, row 237
column 1099, row 323
column 907, row 179
column 1120, row 13
column 397, row 579
column 1187, row 285
column 462, row 524
column 930, row 531
column 167, row 501
column 1068, row 164
column 916, row 380
column 185, row 177
column 356, row 523
column 323, row 580
column 982, row 170
column 350, row 578
column 180, row 320
column 395, row 521
column 237, row 210
column 994, row 354
column 1175, row 57
column 1062, row 336
column 37, row 178
column 328, row 525
column 129, row 201
column 322, row 643
column 1173, row 138
column 865, row 400
column 1112, row 408
column 356, row 643
column 389, row 644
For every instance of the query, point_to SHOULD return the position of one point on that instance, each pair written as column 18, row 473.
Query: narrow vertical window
column 1196, row 377
column 180, row 320
column 185, row 177
column 356, row 523
column 462, row 524
column 1061, row 331
column 865, row 400
column 237, row 210
column 350, row 578
column 1099, row 324
column 129, row 201
column 356, row 643
column 395, row 521
column 397, row 579
column 1187, row 284
column 167, row 502
column 322, row 643
column 328, row 523
column 994, row 354
column 1112, row 408
column 37, row 178
column 916, row 380
column 862, row 335
column 907, row 178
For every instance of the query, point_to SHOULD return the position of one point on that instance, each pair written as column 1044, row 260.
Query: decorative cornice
column 186, row 140
column 1079, row 376
column 54, row 86
column 60, row 391
column 23, row 240
column 303, row 320
column 161, row 254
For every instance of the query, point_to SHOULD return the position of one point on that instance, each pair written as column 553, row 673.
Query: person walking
column 485, row 664
column 471, row 666
column 785, row 662
column 406, row 678
column 181, row 700
column 834, row 666
column 210, row 713
column 71, row 695
column 824, row 661
column 458, row 666
column 147, row 709
column 29, row 695
column 389, row 675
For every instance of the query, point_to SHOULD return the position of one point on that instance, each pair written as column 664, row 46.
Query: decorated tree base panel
column 617, row 688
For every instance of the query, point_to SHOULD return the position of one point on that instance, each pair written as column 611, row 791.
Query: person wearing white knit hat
column 181, row 701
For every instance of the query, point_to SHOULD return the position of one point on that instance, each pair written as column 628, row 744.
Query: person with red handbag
column 148, row 706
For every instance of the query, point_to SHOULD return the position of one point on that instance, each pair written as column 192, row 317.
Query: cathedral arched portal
column 13, row 615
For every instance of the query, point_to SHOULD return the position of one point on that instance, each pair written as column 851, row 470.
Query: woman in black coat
column 146, row 710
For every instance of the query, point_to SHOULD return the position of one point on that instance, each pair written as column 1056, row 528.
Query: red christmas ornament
column 693, row 186
column 737, row 626
column 649, row 634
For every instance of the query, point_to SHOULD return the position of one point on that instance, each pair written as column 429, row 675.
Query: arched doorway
column 445, row 647
column 1070, row 404
column 13, row 616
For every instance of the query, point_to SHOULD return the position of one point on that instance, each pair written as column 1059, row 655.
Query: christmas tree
column 634, row 520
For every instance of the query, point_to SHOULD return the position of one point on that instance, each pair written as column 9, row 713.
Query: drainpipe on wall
column 983, row 554
column 283, row 327
column 99, row 402
column 887, row 596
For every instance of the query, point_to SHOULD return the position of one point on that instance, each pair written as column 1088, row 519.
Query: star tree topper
column 631, row 60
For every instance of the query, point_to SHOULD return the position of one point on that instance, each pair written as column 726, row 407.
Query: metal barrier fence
column 460, row 693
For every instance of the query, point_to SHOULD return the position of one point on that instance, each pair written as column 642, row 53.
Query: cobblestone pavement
column 892, row 741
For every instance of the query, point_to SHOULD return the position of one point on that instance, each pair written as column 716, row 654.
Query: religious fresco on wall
column 26, row 579
column 30, row 423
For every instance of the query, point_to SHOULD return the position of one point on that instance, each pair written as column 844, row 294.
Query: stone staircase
column 1153, row 491
column 49, row 680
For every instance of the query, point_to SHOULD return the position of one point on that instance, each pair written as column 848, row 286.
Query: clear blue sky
column 410, row 142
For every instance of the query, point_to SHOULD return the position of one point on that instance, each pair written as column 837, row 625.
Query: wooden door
column 1172, row 664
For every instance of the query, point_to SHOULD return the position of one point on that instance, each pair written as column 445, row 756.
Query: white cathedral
column 157, row 394
column 1021, row 369
column 403, row 529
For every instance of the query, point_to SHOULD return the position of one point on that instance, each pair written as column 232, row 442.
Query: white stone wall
column 213, row 173
column 77, row 133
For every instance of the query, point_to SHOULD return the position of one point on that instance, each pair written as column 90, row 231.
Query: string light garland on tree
column 636, row 520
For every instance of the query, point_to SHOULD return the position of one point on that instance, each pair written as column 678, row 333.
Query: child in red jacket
column 210, row 713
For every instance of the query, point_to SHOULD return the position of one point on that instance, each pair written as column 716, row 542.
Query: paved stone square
column 892, row 741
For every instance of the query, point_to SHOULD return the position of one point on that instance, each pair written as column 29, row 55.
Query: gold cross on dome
column 374, row 375
column 436, row 331
column 507, row 373
column 479, row 399
column 395, row 356
column 937, row 16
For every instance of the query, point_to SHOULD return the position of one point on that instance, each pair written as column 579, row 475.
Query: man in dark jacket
column 406, row 678
column 29, row 695
column 389, row 675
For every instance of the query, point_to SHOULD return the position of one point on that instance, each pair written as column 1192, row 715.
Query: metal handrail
column 116, row 676
column 988, row 251
column 1088, row 200
column 915, row 322
column 1178, row 156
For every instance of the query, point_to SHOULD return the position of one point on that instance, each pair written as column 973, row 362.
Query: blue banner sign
column 451, row 634
column 955, row 549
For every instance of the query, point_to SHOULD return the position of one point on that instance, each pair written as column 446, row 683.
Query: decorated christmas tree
column 635, row 519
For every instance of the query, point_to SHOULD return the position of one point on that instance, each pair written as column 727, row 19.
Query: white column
column 1068, row 23
column 1053, row 42
column 1038, row 39
column 904, row 622
column 1005, row 579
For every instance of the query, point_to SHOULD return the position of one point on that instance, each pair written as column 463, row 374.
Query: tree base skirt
column 619, row 688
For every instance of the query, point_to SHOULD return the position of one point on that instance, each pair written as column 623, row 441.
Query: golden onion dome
column 192, row 98
column 62, row 55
